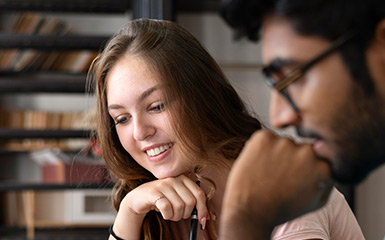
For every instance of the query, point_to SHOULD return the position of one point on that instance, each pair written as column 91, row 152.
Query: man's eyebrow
column 279, row 63
column 143, row 96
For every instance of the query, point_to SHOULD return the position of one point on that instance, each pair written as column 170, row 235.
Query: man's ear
column 377, row 61
column 380, row 32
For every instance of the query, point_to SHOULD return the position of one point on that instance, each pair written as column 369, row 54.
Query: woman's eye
column 121, row 120
column 158, row 107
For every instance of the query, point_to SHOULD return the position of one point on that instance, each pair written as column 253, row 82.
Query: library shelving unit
column 48, row 82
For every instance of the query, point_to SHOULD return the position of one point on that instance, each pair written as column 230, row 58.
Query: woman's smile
column 157, row 153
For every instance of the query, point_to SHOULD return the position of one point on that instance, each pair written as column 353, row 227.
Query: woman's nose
column 143, row 128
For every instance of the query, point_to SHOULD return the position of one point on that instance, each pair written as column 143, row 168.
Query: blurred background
column 46, row 48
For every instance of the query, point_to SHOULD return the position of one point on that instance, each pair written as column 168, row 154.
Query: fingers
column 181, row 194
column 200, row 203
column 164, row 206
column 179, row 201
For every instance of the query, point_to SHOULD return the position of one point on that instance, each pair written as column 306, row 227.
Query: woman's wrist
column 112, row 233
column 127, row 223
column 126, row 206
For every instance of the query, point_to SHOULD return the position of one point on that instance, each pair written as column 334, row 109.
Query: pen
column 194, row 221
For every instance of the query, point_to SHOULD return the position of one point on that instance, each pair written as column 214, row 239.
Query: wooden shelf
column 101, row 6
column 19, row 186
column 81, row 6
column 52, row 42
column 58, row 233
column 7, row 134
column 42, row 82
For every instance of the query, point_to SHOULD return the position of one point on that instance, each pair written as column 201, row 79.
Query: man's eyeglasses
column 274, row 76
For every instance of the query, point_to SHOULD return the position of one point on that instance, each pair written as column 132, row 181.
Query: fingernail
column 214, row 217
column 203, row 223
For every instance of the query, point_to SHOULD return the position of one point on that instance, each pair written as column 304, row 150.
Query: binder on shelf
column 61, row 168
column 64, row 172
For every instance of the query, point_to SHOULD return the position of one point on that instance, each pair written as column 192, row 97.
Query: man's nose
column 282, row 114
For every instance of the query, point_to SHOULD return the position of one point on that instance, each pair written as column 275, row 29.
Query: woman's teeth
column 158, row 150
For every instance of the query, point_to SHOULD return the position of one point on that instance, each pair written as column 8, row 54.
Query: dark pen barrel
column 193, row 228
column 194, row 221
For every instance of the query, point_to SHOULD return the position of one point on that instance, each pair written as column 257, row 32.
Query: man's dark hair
column 326, row 18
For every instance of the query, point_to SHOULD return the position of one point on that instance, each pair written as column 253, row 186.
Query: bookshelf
column 29, row 191
column 37, row 81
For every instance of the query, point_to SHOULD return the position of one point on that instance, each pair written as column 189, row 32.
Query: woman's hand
column 174, row 198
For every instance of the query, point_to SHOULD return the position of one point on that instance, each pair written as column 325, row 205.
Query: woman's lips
column 159, row 153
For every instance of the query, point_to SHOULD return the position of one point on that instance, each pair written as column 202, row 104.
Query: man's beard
column 359, row 144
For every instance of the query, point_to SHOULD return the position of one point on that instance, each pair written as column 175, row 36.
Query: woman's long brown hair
column 209, row 114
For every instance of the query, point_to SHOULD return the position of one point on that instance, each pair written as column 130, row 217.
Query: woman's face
column 143, row 124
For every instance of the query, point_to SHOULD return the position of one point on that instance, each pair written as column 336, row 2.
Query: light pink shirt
column 335, row 221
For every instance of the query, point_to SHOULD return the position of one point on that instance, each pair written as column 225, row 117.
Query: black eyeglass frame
column 281, row 84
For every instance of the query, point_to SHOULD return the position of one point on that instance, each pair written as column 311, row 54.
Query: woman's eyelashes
column 154, row 108
column 158, row 107
column 121, row 120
